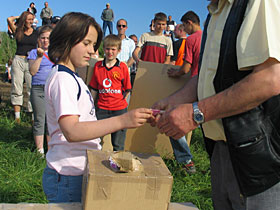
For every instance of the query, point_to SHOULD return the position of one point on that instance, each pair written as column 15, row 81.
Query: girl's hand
column 40, row 52
column 137, row 117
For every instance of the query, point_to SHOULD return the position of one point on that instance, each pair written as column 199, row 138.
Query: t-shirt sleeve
column 169, row 47
column 93, row 81
column 141, row 41
column 64, row 90
column 32, row 55
column 258, row 38
column 189, row 51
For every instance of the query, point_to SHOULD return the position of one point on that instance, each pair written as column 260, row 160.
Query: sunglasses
column 121, row 26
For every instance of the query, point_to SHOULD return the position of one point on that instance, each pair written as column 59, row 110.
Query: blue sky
column 138, row 14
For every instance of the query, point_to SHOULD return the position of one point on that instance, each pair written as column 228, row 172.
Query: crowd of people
column 239, row 119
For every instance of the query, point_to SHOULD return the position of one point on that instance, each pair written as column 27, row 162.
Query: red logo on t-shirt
column 116, row 75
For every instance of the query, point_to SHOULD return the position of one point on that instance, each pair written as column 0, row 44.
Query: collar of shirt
column 116, row 64
column 215, row 8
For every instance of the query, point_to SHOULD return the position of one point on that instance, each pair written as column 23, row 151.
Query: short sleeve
column 142, row 41
column 188, row 51
column 64, row 90
column 169, row 47
column 32, row 55
column 258, row 38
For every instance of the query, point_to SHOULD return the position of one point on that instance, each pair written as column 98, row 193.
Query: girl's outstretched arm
column 75, row 131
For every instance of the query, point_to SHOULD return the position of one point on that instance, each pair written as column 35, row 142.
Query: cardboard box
column 152, row 84
column 104, row 189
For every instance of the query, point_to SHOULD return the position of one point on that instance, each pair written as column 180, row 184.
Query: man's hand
column 177, row 121
column 174, row 72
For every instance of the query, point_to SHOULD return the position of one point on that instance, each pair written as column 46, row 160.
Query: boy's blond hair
column 112, row 40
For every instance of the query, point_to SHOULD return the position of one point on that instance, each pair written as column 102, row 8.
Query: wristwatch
column 198, row 116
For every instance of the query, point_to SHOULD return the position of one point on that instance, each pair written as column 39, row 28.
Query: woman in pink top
column 70, row 110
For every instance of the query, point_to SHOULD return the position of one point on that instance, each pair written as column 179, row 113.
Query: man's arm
column 167, row 59
column 184, row 69
column 135, row 54
column 257, row 87
column 130, row 62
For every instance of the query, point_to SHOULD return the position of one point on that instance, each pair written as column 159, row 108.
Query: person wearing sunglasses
column 127, row 46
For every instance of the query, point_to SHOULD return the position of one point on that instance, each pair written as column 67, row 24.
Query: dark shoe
column 190, row 167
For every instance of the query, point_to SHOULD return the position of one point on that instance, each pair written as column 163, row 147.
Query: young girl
column 70, row 108
column 40, row 66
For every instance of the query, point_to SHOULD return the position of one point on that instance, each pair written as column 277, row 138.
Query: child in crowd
column 111, row 83
column 8, row 76
column 70, row 108
column 40, row 66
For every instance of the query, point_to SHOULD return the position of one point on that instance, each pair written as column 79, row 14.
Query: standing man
column 46, row 14
column 171, row 23
column 158, row 48
column 191, row 25
column 127, row 46
column 179, row 45
column 108, row 17
column 235, row 100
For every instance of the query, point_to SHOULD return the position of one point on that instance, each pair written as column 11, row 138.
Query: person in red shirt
column 191, row 24
column 111, row 83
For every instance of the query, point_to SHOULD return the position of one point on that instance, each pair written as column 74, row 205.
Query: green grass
column 194, row 188
column 21, row 167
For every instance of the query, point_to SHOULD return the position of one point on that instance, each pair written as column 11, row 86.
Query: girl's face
column 29, row 21
column 44, row 40
column 80, row 54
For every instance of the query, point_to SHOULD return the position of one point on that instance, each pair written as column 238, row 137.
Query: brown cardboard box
column 152, row 84
column 104, row 189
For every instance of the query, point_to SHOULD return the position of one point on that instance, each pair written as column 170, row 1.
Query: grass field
column 21, row 168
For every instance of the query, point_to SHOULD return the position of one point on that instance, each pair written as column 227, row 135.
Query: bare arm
column 167, row 59
column 34, row 65
column 130, row 62
column 257, row 87
column 239, row 98
column 135, row 54
column 11, row 23
column 185, row 68
column 75, row 131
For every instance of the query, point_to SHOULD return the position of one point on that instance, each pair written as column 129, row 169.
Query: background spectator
column 26, row 40
column 107, row 16
column 46, row 14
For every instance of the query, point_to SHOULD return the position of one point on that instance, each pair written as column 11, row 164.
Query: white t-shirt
column 61, row 92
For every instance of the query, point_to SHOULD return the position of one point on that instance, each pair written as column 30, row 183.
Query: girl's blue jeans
column 60, row 188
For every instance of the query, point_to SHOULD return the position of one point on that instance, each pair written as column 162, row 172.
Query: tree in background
column 7, row 49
